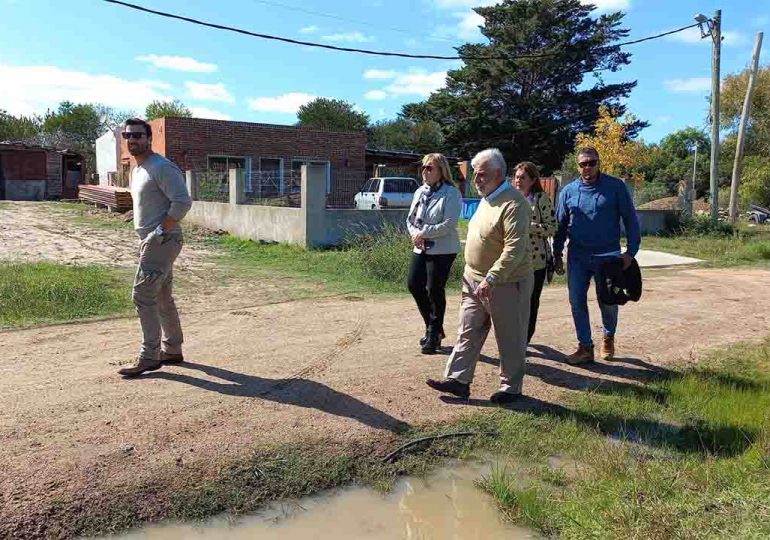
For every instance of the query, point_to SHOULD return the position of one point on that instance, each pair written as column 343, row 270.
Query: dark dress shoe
column 166, row 358
column 450, row 386
column 141, row 365
column 424, row 339
column 431, row 345
column 502, row 398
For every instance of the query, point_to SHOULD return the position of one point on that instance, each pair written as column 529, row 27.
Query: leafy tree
column 332, row 115
column 755, row 181
column 172, row 108
column 422, row 136
column 19, row 128
column 619, row 155
column 531, row 107
column 732, row 96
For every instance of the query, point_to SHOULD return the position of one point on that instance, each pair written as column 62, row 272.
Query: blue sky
column 92, row 51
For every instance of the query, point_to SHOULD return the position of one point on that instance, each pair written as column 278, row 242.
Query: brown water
column 446, row 505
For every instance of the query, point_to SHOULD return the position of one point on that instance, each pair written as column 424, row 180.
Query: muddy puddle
column 445, row 505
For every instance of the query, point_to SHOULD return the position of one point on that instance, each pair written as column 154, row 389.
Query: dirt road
column 266, row 369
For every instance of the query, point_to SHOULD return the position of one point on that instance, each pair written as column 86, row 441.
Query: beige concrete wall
column 312, row 225
column 268, row 223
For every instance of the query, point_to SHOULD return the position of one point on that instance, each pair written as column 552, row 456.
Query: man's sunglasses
column 591, row 163
column 427, row 168
column 133, row 134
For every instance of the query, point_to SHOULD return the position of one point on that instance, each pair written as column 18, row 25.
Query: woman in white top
column 432, row 224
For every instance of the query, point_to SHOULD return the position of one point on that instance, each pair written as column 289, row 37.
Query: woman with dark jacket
column 432, row 224
column 527, row 180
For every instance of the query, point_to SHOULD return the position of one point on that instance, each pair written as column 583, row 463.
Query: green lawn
column 685, row 456
column 44, row 292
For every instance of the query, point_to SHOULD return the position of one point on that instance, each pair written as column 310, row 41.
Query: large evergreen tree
column 332, row 115
column 525, row 91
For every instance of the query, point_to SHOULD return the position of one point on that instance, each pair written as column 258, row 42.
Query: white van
column 386, row 192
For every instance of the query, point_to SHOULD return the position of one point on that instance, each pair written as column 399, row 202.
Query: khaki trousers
column 153, row 298
column 508, row 311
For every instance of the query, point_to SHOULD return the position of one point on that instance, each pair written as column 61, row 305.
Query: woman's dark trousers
column 427, row 280
column 534, row 303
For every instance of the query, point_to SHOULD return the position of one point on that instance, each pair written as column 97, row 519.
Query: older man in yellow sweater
column 497, row 284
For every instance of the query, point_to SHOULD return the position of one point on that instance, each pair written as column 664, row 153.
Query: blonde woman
column 527, row 180
column 432, row 224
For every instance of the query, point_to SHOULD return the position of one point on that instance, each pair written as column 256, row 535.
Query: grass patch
column 372, row 263
column 686, row 456
column 43, row 293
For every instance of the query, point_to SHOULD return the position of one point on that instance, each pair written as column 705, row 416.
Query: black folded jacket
column 618, row 286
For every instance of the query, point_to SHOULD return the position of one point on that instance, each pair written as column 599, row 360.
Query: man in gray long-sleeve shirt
column 161, row 200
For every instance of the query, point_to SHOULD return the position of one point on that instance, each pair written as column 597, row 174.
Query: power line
column 339, row 18
column 369, row 51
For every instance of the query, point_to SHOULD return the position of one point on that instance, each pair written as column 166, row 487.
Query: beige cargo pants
column 152, row 295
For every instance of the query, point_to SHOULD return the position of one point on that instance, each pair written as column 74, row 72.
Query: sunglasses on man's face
column 427, row 168
column 133, row 134
column 585, row 164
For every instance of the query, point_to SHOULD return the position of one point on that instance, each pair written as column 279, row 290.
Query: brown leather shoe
column 141, row 365
column 608, row 348
column 166, row 358
column 583, row 355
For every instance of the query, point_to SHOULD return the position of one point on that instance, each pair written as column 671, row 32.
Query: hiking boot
column 450, row 386
column 583, row 355
column 167, row 358
column 608, row 348
column 501, row 398
column 141, row 365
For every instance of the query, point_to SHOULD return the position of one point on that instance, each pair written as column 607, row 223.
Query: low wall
column 268, row 223
column 25, row 190
column 340, row 223
column 654, row 221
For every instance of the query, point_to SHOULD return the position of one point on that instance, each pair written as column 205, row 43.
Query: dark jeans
column 427, row 278
column 534, row 303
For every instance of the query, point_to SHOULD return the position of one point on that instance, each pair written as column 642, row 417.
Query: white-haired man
column 497, row 284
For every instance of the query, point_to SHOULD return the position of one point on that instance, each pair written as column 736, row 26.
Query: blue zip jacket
column 589, row 215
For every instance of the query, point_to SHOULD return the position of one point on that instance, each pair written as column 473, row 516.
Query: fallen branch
column 391, row 457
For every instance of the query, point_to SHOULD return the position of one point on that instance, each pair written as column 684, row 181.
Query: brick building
column 271, row 155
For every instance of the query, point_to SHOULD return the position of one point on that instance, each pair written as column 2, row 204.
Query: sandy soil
column 265, row 368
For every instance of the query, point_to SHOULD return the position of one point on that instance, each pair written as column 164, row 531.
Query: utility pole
column 716, row 36
column 738, row 163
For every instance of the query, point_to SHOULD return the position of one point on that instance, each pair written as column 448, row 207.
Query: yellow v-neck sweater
column 498, row 239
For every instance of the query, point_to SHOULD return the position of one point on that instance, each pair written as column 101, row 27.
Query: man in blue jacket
column 589, row 213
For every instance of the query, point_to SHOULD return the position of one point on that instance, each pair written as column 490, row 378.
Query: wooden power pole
column 716, row 35
column 738, row 163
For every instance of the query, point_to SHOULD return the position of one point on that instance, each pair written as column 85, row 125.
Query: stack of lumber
column 112, row 197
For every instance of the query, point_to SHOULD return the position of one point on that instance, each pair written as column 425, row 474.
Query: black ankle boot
column 432, row 343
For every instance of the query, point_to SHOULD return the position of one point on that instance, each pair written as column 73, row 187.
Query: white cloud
column 178, row 63
column 418, row 83
column 203, row 112
column 692, row 35
column 468, row 27
column 348, row 37
column 376, row 95
column 609, row 5
column 379, row 74
column 692, row 85
column 285, row 103
column 312, row 29
column 209, row 92
column 33, row 89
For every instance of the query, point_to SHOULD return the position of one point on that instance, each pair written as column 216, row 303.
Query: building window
column 219, row 169
column 294, row 183
column 270, row 182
